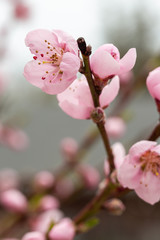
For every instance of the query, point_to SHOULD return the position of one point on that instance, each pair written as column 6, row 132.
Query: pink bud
column 64, row 230
column 21, row 11
column 13, row 138
column 64, row 188
column 153, row 83
column 33, row 236
column 106, row 62
column 43, row 221
column 69, row 148
column 89, row 175
column 44, row 180
column 8, row 179
column 48, row 202
column 115, row 206
column 14, row 201
column 115, row 127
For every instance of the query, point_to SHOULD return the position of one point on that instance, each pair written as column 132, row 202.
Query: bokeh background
column 125, row 23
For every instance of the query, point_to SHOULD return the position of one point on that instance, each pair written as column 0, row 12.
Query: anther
column 34, row 57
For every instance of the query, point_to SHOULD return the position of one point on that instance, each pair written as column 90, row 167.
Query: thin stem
column 155, row 134
column 95, row 98
column 92, row 207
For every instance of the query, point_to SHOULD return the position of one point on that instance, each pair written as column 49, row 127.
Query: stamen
column 42, row 55
column 34, row 57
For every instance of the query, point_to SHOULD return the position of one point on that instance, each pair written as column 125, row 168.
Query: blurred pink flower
column 56, row 62
column 42, row 222
column 89, row 174
column 44, row 180
column 115, row 127
column 64, row 188
column 64, row 230
column 48, row 202
column 14, row 201
column 140, row 170
column 119, row 155
column 77, row 102
column 69, row 148
column 106, row 62
column 21, row 11
column 33, row 236
column 153, row 83
column 16, row 139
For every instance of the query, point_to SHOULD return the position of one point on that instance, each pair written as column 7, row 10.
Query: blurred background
column 26, row 108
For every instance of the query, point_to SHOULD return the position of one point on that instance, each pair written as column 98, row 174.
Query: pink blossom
column 64, row 188
column 8, row 179
column 48, row 202
column 56, row 60
column 89, row 175
column 21, row 11
column 64, row 230
column 119, row 155
column 77, row 101
column 140, row 170
column 153, row 83
column 42, row 222
column 33, row 236
column 44, row 180
column 115, row 127
column 69, row 148
column 106, row 62
column 14, row 201
column 16, row 139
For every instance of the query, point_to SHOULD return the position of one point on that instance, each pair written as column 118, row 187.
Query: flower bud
column 89, row 175
column 43, row 180
column 98, row 115
column 69, row 149
column 8, row 179
column 33, row 236
column 48, row 202
column 115, row 206
column 14, row 201
column 64, row 230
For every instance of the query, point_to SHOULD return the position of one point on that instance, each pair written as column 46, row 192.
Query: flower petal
column 66, row 41
column 103, row 64
column 119, row 154
column 34, row 72
column 128, row 174
column 76, row 101
column 141, row 147
column 149, row 189
column 70, row 65
column 128, row 61
column 109, row 92
column 37, row 41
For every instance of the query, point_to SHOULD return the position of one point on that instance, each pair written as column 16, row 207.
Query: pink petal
column 70, row 65
column 149, row 189
column 34, row 72
column 128, row 174
column 155, row 92
column 76, row 101
column 103, row 64
column 119, row 154
column 128, row 61
column 153, row 79
column 71, row 44
column 140, row 147
column 109, row 92
column 36, row 41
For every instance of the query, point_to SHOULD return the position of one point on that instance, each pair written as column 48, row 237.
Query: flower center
column 150, row 161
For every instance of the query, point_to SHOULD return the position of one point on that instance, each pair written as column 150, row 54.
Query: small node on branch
column 98, row 115
column 82, row 45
